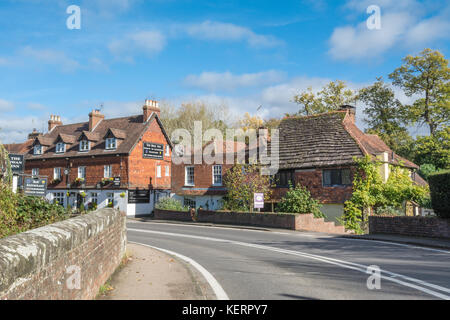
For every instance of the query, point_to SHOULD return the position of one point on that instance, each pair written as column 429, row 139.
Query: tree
column 433, row 150
column 427, row 76
column 330, row 98
column 383, row 113
column 299, row 200
column 241, row 182
column 249, row 122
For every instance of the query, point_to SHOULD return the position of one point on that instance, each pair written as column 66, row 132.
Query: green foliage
column 426, row 169
column 299, row 200
column 82, row 209
column 440, row 195
column 170, row 204
column 5, row 167
column 242, row 181
column 434, row 149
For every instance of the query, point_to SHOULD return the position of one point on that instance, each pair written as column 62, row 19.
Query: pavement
column 283, row 264
column 151, row 274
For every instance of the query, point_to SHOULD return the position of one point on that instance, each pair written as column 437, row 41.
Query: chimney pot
column 95, row 117
column 54, row 122
column 149, row 107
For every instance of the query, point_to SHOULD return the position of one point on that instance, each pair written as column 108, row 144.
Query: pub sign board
column 153, row 150
column 138, row 196
column 35, row 186
column 116, row 182
column 16, row 161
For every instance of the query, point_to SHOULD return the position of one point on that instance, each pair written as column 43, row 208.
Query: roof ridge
column 313, row 115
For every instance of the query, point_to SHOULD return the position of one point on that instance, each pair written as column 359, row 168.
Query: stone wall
column 65, row 260
column 410, row 226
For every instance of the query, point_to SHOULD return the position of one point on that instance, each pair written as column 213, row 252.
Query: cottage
column 122, row 162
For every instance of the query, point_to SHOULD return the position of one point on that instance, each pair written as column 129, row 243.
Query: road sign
column 153, row 150
column 16, row 161
column 258, row 199
column 35, row 186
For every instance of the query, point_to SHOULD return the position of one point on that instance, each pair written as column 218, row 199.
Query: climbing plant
column 5, row 166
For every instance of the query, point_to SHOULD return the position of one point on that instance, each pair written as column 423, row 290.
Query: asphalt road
column 279, row 264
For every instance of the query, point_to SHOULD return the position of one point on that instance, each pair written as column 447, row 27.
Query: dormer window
column 37, row 149
column 85, row 145
column 60, row 147
column 111, row 143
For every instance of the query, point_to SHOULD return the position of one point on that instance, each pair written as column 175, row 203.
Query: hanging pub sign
column 116, row 182
column 138, row 196
column 35, row 186
column 153, row 150
column 16, row 161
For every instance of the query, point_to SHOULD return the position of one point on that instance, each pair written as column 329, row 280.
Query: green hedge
column 440, row 193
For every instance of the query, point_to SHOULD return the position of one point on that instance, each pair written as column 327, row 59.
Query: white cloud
column 51, row 57
column 6, row 105
column 213, row 81
column 212, row 30
column 4, row 61
column 147, row 42
column 402, row 25
column 36, row 106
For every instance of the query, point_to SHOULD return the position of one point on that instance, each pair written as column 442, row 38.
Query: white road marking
column 390, row 276
column 216, row 287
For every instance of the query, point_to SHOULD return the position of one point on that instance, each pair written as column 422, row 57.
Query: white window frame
column 187, row 175
column 35, row 172
column 60, row 147
column 94, row 197
column 82, row 172
column 167, row 168
column 85, row 145
column 60, row 197
column 109, row 197
column 167, row 150
column 107, row 171
column 111, row 143
column 214, row 174
column 37, row 149
column 158, row 171
column 56, row 173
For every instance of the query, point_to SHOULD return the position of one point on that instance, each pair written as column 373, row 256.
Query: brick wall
column 41, row 263
column 410, row 226
column 141, row 170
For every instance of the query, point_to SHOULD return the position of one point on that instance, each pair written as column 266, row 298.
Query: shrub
column 170, row 204
column 440, row 195
column 299, row 200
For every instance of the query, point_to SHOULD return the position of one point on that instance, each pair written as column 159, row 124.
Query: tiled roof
column 19, row 148
column 131, row 128
column 119, row 134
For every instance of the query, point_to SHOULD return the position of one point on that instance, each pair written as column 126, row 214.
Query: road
column 282, row 264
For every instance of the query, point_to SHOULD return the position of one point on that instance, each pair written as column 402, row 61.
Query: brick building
column 122, row 162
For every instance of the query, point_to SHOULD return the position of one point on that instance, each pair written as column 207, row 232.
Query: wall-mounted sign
column 16, row 161
column 258, row 199
column 138, row 196
column 153, row 150
column 35, row 186
column 116, row 182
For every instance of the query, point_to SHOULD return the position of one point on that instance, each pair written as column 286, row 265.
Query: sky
column 252, row 56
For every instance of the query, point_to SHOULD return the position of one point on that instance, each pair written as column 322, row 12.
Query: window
column 217, row 175
column 167, row 150
column 94, row 197
column 167, row 171
column 336, row 177
column 189, row 176
column 107, row 171
column 189, row 203
column 57, row 173
column 158, row 171
column 110, row 199
column 111, row 143
column 58, row 198
column 60, row 147
column 284, row 178
column 38, row 149
column 84, row 145
column 82, row 172
column 35, row 172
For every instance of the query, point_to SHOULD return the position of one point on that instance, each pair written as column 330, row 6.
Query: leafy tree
column 242, row 181
column 427, row 76
column 250, row 122
column 426, row 169
column 168, row 203
column 383, row 112
column 299, row 200
column 433, row 150
column 331, row 97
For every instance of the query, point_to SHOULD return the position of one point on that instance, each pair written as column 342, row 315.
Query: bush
column 299, row 200
column 170, row 204
column 440, row 194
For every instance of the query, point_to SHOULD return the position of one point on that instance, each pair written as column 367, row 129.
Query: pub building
column 123, row 163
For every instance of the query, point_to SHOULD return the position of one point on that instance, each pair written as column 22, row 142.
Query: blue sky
column 240, row 53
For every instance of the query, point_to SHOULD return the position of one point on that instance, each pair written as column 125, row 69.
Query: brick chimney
column 54, row 122
column 149, row 107
column 94, row 119
column 34, row 134
column 351, row 111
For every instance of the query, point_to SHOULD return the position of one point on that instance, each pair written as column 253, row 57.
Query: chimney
column 34, row 134
column 351, row 111
column 94, row 119
column 149, row 107
column 54, row 122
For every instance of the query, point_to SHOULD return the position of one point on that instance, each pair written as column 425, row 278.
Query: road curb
column 405, row 241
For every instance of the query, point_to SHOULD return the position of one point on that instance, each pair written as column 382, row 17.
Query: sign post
column 258, row 200
column 35, row 186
